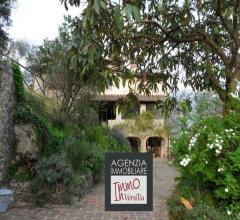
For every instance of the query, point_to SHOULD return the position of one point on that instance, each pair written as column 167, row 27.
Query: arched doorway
column 153, row 144
column 135, row 144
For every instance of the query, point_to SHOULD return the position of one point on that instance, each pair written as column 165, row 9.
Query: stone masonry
column 6, row 117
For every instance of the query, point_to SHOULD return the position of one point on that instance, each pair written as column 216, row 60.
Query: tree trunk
column 226, row 108
column 65, row 103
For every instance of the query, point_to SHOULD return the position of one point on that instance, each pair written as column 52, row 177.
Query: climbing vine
column 18, row 82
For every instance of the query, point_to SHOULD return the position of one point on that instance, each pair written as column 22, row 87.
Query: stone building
column 155, row 139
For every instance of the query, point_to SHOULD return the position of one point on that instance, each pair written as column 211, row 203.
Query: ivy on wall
column 28, row 110
column 19, row 86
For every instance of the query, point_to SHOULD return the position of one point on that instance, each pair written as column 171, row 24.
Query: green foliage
column 206, row 104
column 5, row 13
column 85, row 157
column 208, row 155
column 169, row 41
column 70, row 150
column 101, row 136
column 171, row 105
column 18, row 81
column 35, row 109
column 18, row 172
column 202, row 208
column 142, row 123
column 22, row 175
column 49, row 138
column 129, row 105
column 54, row 180
column 61, row 119
column 114, row 146
column 52, row 63
column 84, row 110
column 98, row 135
column 119, row 136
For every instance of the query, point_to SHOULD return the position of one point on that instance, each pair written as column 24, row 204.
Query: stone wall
column 6, row 117
column 26, row 139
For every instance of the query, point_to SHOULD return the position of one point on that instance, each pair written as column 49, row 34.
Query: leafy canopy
column 52, row 62
column 196, row 42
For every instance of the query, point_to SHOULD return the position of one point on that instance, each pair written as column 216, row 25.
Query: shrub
column 48, row 137
column 85, row 157
column 61, row 119
column 114, row 146
column 208, row 156
column 18, row 172
column 84, row 111
column 18, row 82
column 54, row 180
column 101, row 136
column 98, row 134
column 118, row 135
column 201, row 210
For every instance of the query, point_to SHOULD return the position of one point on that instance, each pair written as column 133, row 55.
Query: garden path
column 91, row 207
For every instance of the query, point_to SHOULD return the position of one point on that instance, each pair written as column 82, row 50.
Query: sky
column 35, row 20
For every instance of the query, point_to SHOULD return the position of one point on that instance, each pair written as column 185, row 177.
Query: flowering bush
column 208, row 155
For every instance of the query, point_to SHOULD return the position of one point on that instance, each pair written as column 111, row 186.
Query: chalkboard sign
column 128, row 182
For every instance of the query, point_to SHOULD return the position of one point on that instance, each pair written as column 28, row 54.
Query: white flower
column 229, row 212
column 185, row 161
column 220, row 169
column 226, row 190
column 211, row 146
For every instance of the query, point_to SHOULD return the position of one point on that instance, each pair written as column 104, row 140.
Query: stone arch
column 155, row 144
column 135, row 144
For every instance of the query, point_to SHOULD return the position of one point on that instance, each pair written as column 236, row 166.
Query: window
column 106, row 111
column 151, row 107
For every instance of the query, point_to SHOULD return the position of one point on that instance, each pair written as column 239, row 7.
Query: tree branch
column 229, row 30
column 213, row 46
column 200, row 36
